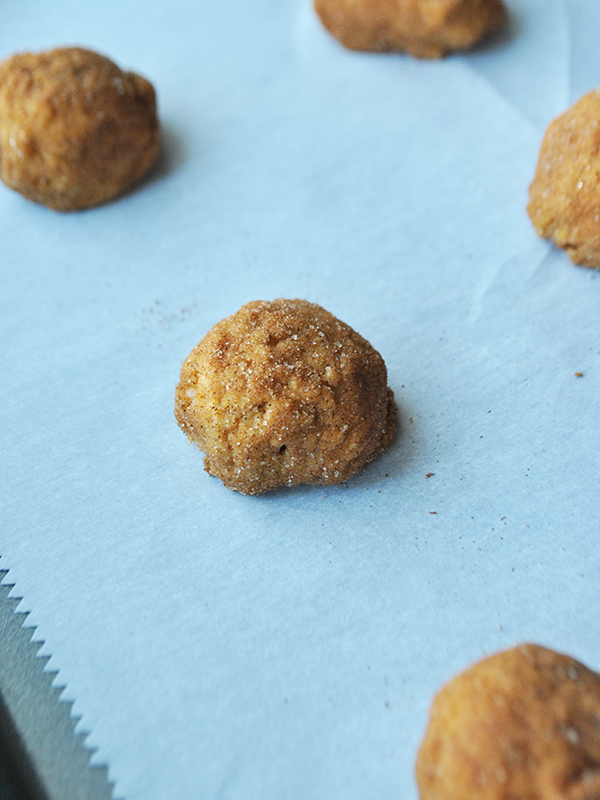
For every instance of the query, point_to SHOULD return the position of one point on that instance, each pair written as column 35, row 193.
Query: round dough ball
column 75, row 130
column 523, row 724
column 423, row 28
column 283, row 393
column 564, row 196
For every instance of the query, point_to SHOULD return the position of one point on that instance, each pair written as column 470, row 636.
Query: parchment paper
column 289, row 645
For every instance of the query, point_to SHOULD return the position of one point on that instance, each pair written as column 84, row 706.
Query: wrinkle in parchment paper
column 289, row 646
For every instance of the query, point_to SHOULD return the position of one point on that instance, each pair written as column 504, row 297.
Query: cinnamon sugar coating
column 523, row 724
column 423, row 28
column 283, row 393
column 75, row 130
column 564, row 196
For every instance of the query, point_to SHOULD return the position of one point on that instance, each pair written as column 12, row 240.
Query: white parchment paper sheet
column 219, row 646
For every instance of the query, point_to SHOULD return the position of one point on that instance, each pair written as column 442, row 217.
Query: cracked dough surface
column 564, row 196
column 283, row 393
column 75, row 130
column 423, row 28
column 523, row 724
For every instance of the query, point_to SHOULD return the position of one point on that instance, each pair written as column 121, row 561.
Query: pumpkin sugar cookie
column 423, row 28
column 564, row 196
column 75, row 130
column 283, row 393
column 523, row 724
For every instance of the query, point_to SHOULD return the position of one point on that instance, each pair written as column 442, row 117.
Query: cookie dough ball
column 283, row 393
column 75, row 131
column 521, row 725
column 424, row 28
column 564, row 197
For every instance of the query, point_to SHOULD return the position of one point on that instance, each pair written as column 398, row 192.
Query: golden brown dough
column 523, row 724
column 75, row 131
column 282, row 393
column 564, row 197
column 424, row 28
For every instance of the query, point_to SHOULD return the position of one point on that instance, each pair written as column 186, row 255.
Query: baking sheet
column 221, row 646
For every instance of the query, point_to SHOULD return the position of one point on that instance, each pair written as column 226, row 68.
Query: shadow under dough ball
column 523, row 724
column 564, row 196
column 75, row 130
column 283, row 393
column 423, row 28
